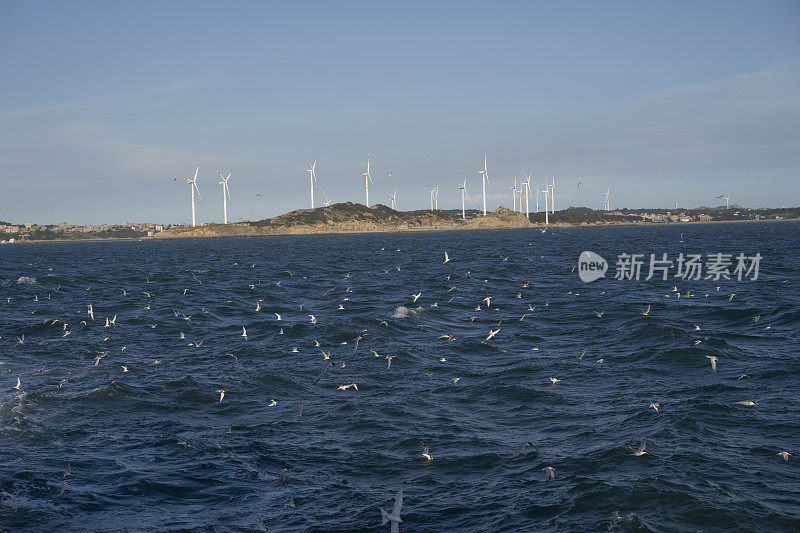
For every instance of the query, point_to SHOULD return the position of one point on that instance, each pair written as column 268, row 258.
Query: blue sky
column 103, row 103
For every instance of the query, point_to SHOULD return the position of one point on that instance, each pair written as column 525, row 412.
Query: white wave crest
column 26, row 280
column 403, row 311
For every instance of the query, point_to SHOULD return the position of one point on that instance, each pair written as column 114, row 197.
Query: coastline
column 316, row 231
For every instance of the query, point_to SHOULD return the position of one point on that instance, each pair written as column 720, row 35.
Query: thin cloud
column 104, row 100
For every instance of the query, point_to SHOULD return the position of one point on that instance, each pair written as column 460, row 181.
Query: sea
column 121, row 425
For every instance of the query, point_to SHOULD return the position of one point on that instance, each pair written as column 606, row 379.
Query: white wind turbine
column 313, row 172
column 607, row 204
column 527, row 185
column 546, row 192
column 537, row 201
column 367, row 180
column 193, row 185
column 728, row 202
column 485, row 178
column 436, row 198
column 463, row 189
column 431, row 193
column 553, row 195
column 393, row 199
column 327, row 202
column 514, row 193
column 226, row 195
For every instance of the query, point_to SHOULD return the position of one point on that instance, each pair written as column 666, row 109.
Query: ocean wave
column 403, row 311
column 26, row 280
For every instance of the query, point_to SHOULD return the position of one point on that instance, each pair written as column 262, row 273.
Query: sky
column 103, row 104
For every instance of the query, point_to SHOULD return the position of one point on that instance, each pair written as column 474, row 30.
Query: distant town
column 572, row 216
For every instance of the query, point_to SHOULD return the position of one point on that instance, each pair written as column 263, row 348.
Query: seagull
column 785, row 455
column 599, row 314
column 258, row 306
column 646, row 311
column 638, row 452
column 492, row 333
column 416, row 296
column 555, row 380
column 313, row 319
column 521, row 449
column 696, row 327
column 580, row 357
column 549, row 470
column 748, row 404
column 244, row 333
column 456, row 380
column 394, row 517
column 446, row 257
column 278, row 316
column 345, row 387
column 18, row 386
column 124, row 368
column 221, row 393
column 743, row 376
column 655, row 405
column 488, row 301
column 272, row 403
column 426, row 454
column 713, row 362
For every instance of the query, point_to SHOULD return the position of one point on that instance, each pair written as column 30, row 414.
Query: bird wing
column 398, row 502
column 519, row 451
column 642, row 445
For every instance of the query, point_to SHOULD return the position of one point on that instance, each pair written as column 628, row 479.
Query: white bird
column 550, row 472
column 446, row 257
column 21, row 340
column 345, row 387
column 655, row 405
column 638, row 452
column 394, row 516
column 244, row 333
column 555, row 380
column 278, row 316
column 416, row 296
column 221, row 393
column 272, row 403
column 18, row 386
column 492, row 333
column 90, row 312
column 748, row 404
column 124, row 368
column 785, row 455
column 313, row 319
column 426, row 454
column 488, row 301
column 713, row 362
column 646, row 311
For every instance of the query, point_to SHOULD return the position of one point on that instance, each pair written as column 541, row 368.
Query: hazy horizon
column 106, row 103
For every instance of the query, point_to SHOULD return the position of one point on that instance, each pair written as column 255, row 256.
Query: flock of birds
column 394, row 518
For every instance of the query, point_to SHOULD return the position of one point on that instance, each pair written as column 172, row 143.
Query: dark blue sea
column 87, row 446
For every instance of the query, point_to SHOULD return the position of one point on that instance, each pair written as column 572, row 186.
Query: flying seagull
column 521, row 449
column 394, row 517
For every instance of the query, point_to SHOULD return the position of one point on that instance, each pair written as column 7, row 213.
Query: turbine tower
column 313, row 172
column 553, row 195
column 367, row 180
column 728, row 202
column 393, row 199
column 537, row 201
column 436, row 198
column 226, row 195
column 193, row 185
column 463, row 189
column 514, row 194
column 546, row 192
column 485, row 178
column 527, row 185
column 607, row 204
column 430, row 191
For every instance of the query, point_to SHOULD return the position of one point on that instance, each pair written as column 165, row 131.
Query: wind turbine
column 607, row 202
column 485, row 178
column 367, row 180
column 327, row 202
column 312, row 170
column 226, row 195
column 728, row 202
column 393, row 198
column 463, row 189
column 430, row 191
column 193, row 185
column 546, row 192
column 527, row 185
column 537, row 201
column 436, row 198
column 514, row 193
column 553, row 195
